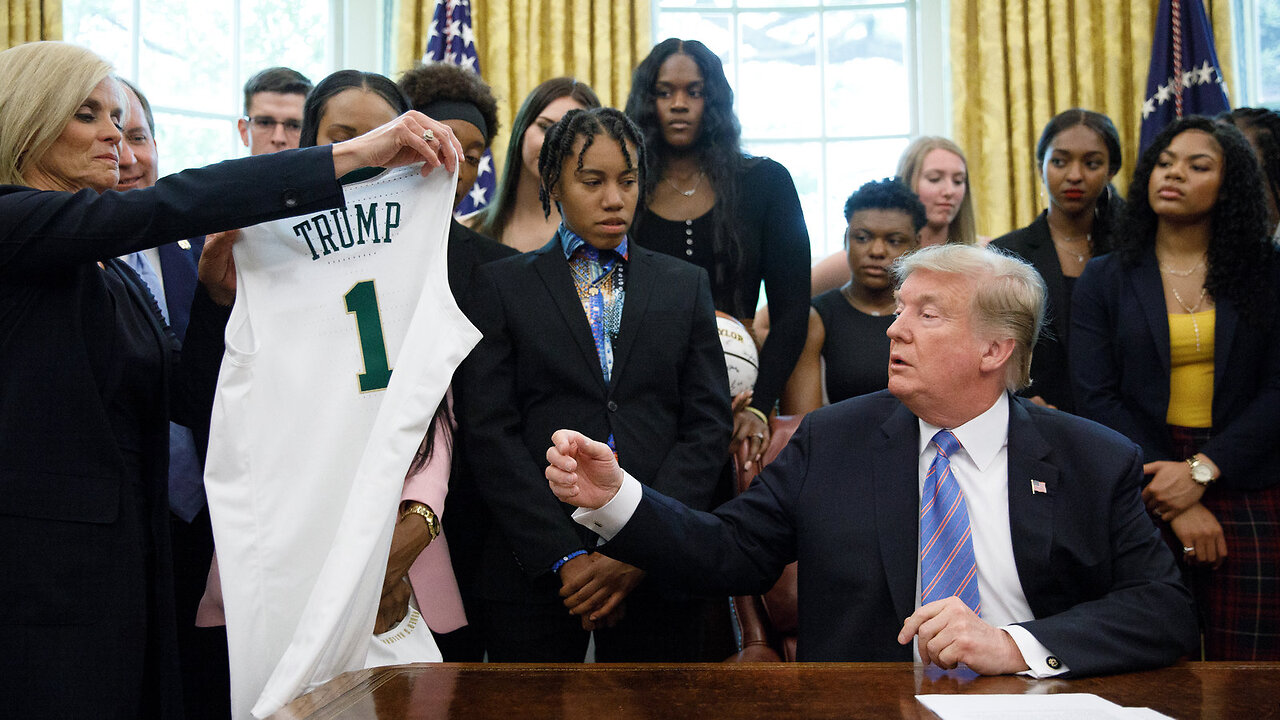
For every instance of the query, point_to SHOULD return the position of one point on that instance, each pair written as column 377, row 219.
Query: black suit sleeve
column 784, row 261
column 1146, row 620
column 513, row 485
column 690, row 470
column 46, row 231
column 738, row 549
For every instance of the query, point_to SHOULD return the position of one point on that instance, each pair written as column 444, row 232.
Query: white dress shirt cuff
column 1042, row 663
column 607, row 520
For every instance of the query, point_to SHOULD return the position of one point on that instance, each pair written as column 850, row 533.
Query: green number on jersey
column 362, row 301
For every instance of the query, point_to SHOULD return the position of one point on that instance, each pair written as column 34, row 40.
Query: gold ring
column 428, row 135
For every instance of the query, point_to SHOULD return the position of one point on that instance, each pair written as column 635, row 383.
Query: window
column 192, row 58
column 1256, row 39
column 828, row 88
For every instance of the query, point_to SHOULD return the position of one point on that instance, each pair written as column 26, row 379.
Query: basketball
column 740, row 356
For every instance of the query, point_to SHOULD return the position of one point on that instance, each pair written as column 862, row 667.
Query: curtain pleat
column 27, row 20
column 523, row 42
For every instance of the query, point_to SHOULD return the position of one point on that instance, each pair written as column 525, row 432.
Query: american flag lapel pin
column 1038, row 487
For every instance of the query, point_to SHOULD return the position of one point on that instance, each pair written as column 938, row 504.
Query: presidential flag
column 451, row 39
column 1184, row 77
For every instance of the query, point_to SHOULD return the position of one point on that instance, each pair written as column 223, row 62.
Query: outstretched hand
column 400, row 142
column 581, row 471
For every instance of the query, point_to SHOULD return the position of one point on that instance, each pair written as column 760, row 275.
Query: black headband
column 455, row 110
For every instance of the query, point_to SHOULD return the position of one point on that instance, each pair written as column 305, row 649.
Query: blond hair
column 1008, row 297
column 41, row 85
column 964, row 227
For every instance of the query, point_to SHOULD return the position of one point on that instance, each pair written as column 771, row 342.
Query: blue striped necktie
column 947, row 564
column 186, row 478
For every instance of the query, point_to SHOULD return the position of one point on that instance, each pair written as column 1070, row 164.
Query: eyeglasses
column 267, row 124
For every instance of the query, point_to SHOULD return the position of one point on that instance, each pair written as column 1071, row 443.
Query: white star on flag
column 468, row 35
column 1204, row 75
column 1162, row 95
column 486, row 165
column 477, row 194
column 1148, row 107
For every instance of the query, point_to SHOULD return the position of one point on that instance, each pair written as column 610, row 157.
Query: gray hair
column 1008, row 296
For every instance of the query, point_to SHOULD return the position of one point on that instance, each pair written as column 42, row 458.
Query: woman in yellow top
column 1175, row 343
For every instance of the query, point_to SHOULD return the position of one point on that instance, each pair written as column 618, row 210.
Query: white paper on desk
column 1056, row 706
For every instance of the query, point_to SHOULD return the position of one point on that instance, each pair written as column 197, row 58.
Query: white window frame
column 928, row 71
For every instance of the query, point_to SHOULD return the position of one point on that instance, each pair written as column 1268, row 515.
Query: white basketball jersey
column 312, row 431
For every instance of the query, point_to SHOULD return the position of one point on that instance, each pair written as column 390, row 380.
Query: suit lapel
column 178, row 265
column 1030, row 504
column 1041, row 253
column 1224, row 331
column 896, row 461
column 555, row 274
column 639, row 288
column 1144, row 278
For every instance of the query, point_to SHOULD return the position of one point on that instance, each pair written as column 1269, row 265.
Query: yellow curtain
column 1017, row 63
column 523, row 42
column 27, row 20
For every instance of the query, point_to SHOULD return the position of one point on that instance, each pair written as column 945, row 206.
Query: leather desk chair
column 766, row 625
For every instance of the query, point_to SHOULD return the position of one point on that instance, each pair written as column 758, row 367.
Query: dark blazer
column 69, row 510
column 536, row 371
column 843, row 498
column 1120, row 368
column 464, row 516
column 1050, row 374
column 178, row 267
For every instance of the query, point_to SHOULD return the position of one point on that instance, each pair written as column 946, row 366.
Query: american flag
column 451, row 39
column 1038, row 487
column 1184, row 77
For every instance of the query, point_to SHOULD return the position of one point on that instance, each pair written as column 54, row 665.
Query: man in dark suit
column 646, row 371
column 170, row 273
column 1055, row 568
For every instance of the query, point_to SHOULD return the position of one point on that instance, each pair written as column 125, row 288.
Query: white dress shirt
column 981, row 467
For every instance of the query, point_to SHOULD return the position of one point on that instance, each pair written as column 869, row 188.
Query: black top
column 1050, row 370
column 775, row 249
column 856, row 349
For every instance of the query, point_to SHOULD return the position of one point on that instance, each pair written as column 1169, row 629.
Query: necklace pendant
column 688, row 193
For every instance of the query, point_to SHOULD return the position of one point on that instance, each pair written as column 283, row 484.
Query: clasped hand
column 948, row 633
column 593, row 587
column 1171, row 489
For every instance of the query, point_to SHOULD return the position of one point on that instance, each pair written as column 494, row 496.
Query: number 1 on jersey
column 362, row 301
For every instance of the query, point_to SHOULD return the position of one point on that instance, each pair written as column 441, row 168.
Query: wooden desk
column 752, row 691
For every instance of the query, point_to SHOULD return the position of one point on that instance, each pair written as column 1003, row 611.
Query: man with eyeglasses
column 273, row 100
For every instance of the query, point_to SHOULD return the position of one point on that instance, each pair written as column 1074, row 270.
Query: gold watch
column 1200, row 472
column 428, row 516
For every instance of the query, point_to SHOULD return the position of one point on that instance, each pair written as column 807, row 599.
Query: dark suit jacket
column 1050, row 376
column 62, row 476
column 464, row 516
column 536, row 371
column 178, row 267
column 1120, row 368
column 843, row 498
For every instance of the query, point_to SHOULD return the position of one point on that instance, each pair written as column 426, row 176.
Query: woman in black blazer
column 86, row 608
column 1077, row 156
column 1175, row 342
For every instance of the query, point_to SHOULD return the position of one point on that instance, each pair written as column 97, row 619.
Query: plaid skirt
column 1239, row 603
